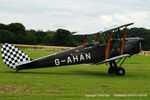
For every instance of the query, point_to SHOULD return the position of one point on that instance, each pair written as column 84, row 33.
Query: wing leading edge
column 114, row 58
column 106, row 30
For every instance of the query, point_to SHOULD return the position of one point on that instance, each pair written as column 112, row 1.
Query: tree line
column 16, row 33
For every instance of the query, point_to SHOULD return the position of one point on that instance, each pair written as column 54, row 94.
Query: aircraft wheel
column 120, row 71
column 111, row 70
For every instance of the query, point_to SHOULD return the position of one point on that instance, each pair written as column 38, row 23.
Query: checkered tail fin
column 13, row 56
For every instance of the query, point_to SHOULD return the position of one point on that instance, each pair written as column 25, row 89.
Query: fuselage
column 91, row 54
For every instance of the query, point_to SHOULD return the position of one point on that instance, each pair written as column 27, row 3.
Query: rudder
column 13, row 56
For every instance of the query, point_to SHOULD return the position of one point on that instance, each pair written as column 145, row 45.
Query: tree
column 16, row 28
column 3, row 26
column 63, row 38
column 16, row 33
column 48, row 40
column 30, row 38
column 6, row 36
column 40, row 37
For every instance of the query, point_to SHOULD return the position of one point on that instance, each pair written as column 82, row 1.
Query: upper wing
column 106, row 30
column 85, row 33
column 116, row 27
column 114, row 58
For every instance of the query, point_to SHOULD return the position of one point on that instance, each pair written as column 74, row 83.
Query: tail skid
column 13, row 56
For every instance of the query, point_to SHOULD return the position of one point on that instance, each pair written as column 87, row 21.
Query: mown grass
column 76, row 81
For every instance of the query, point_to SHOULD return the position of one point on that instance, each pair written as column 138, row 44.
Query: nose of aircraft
column 141, row 40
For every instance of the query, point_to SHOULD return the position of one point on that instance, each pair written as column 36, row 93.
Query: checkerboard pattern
column 13, row 56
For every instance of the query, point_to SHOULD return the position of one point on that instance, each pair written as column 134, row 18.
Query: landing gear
column 17, row 69
column 114, row 69
column 111, row 70
column 120, row 71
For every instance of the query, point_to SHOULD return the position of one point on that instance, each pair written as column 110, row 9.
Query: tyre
column 120, row 71
column 112, row 70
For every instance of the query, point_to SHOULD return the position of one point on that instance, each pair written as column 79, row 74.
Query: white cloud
column 75, row 15
column 106, row 19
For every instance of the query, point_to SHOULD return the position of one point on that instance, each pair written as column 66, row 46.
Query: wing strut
column 85, row 38
column 108, row 45
column 123, row 41
column 97, row 37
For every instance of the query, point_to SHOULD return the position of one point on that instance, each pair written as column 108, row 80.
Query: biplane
column 113, row 51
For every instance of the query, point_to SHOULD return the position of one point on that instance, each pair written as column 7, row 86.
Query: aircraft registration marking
column 73, row 59
column 63, row 60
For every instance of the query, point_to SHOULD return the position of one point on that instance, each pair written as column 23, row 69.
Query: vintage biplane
column 115, row 50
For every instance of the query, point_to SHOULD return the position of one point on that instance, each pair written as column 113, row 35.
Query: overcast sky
column 75, row 15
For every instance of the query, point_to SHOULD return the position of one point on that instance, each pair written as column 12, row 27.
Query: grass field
column 75, row 82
